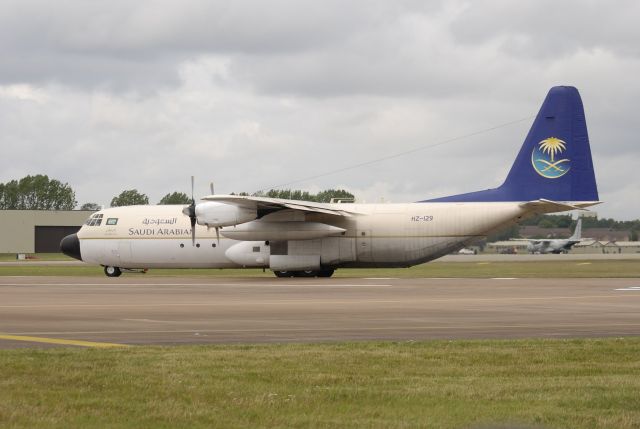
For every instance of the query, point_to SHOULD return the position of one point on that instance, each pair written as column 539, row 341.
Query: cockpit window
column 94, row 220
column 112, row 221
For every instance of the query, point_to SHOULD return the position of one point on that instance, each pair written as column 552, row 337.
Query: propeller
column 190, row 211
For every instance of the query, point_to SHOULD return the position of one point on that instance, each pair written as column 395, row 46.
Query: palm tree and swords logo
column 544, row 159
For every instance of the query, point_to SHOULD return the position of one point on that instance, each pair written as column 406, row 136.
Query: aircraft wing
column 267, row 205
column 534, row 240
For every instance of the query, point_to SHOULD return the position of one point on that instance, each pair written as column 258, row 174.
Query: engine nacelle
column 221, row 214
column 249, row 254
column 281, row 231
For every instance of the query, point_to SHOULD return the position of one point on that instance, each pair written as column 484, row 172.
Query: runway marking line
column 59, row 341
column 631, row 288
column 149, row 320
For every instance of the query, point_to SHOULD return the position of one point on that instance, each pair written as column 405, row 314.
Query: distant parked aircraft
column 555, row 245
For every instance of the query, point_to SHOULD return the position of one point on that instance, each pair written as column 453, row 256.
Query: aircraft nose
column 70, row 246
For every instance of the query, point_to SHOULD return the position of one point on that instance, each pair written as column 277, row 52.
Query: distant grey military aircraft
column 554, row 245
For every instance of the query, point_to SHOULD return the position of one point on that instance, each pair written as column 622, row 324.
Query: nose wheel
column 112, row 271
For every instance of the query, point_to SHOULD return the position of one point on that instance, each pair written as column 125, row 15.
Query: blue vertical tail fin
column 554, row 162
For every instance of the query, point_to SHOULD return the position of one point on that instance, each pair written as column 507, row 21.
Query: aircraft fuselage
column 381, row 235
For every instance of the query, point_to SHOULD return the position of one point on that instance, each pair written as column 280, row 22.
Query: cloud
column 253, row 94
column 548, row 29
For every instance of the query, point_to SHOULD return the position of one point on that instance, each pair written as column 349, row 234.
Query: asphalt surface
column 137, row 309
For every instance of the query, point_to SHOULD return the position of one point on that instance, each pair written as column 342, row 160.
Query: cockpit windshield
column 94, row 220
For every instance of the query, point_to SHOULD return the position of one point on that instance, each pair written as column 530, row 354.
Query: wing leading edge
column 268, row 205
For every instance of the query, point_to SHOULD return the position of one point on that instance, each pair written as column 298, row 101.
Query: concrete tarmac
column 141, row 309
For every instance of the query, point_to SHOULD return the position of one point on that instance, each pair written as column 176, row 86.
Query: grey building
column 37, row 231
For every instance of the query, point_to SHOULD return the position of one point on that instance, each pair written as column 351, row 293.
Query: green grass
column 555, row 269
column 439, row 384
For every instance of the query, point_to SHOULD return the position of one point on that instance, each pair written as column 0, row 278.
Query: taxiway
column 140, row 309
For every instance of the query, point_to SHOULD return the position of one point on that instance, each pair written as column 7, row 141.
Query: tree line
column 134, row 197
column 565, row 221
column 39, row 192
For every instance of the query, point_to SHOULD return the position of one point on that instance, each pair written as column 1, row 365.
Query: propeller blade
column 211, row 186
column 193, row 231
column 192, row 185
column 192, row 214
column 218, row 234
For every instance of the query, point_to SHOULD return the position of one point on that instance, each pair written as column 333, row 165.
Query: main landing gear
column 116, row 271
column 112, row 271
column 307, row 273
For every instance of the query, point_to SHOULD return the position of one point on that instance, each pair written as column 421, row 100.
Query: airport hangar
column 38, row 231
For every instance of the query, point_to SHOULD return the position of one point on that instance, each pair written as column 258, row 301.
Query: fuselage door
column 363, row 245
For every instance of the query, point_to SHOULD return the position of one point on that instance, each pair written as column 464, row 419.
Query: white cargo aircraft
column 552, row 172
column 554, row 245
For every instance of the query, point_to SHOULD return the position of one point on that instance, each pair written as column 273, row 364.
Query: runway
column 140, row 309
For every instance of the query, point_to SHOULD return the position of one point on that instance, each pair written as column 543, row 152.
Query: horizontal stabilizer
column 547, row 206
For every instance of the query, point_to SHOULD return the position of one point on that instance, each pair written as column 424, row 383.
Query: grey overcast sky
column 115, row 95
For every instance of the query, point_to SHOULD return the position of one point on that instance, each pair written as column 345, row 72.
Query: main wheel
column 328, row 272
column 112, row 271
column 283, row 273
column 306, row 273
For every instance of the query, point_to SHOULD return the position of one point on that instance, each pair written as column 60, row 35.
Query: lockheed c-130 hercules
column 552, row 172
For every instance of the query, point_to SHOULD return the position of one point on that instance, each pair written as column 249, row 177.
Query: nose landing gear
column 112, row 271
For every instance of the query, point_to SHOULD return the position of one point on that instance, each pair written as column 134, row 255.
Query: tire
column 283, row 273
column 328, row 272
column 112, row 271
column 305, row 273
